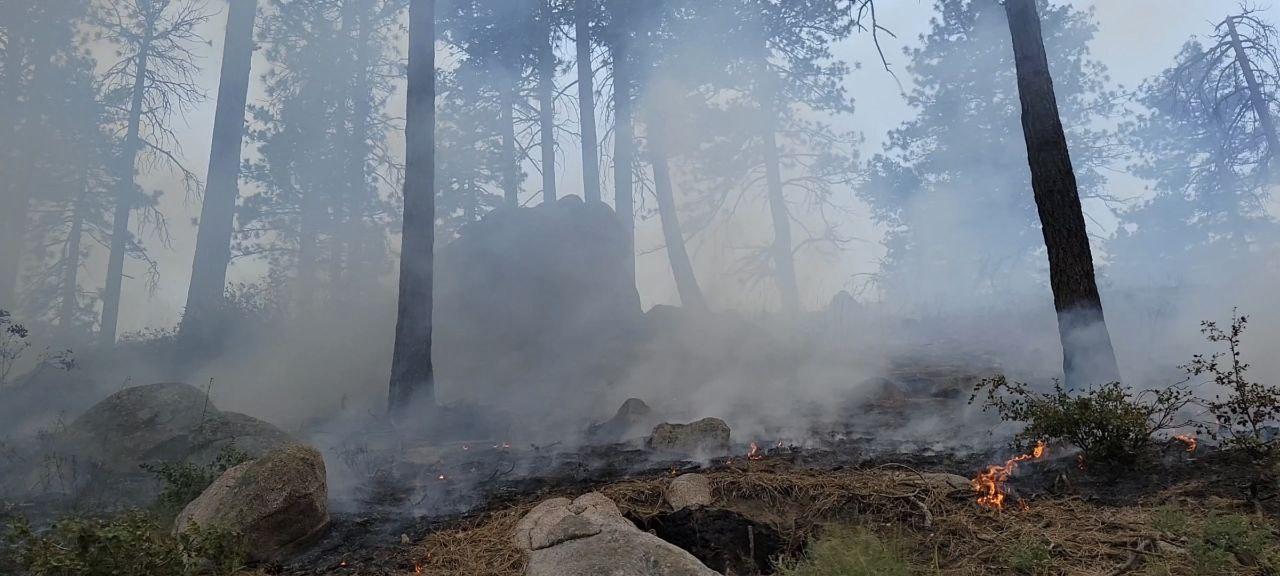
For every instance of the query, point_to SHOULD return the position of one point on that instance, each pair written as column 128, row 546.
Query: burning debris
column 1189, row 440
column 990, row 483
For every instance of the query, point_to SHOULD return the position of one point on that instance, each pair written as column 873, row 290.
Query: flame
column 755, row 454
column 779, row 446
column 989, row 484
column 1190, row 440
column 440, row 477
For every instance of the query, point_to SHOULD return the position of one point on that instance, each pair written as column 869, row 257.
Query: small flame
column 779, row 446
column 989, row 484
column 1190, row 440
column 755, row 454
column 440, row 477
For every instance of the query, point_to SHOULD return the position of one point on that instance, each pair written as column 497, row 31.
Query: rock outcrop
column 589, row 536
column 689, row 491
column 633, row 420
column 703, row 438
column 276, row 502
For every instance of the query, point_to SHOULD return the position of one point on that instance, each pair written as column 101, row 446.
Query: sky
column 1136, row 39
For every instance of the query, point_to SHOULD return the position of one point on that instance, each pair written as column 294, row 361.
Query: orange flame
column 755, row 454
column 989, row 484
column 1188, row 439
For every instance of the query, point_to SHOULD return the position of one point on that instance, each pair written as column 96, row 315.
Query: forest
column 639, row 287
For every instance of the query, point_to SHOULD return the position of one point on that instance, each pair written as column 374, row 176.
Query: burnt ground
column 375, row 536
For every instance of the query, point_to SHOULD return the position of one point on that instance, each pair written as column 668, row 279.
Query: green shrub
column 184, row 481
column 843, row 551
column 1229, row 540
column 1110, row 423
column 134, row 544
column 1169, row 520
column 1241, row 418
column 1029, row 556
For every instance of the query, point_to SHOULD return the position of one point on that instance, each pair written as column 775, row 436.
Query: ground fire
column 990, row 483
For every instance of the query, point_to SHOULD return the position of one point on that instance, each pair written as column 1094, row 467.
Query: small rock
column 706, row 437
column 276, row 502
column 689, row 491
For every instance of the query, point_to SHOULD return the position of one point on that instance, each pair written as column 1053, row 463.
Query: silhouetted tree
column 584, row 15
column 1088, row 357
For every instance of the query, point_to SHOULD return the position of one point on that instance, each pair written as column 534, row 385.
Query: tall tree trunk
column 1257, row 98
column 547, row 111
column 217, row 214
column 673, row 235
column 411, row 370
column 587, row 101
column 510, row 154
column 783, row 254
column 124, row 200
column 1088, row 357
column 70, row 289
column 624, row 144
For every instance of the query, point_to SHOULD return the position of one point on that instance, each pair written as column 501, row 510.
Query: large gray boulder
column 277, row 502
column 703, row 438
column 589, row 536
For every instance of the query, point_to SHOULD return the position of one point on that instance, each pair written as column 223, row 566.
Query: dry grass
column 946, row 532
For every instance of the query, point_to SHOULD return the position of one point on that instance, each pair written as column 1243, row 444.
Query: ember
column 755, row 454
column 1190, row 440
column 989, row 484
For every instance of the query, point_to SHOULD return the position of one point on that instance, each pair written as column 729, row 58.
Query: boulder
column 706, row 437
column 276, row 502
column 590, row 537
column 633, row 419
column 689, row 491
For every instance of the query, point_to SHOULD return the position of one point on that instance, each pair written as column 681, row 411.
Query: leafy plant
column 184, row 481
column 1242, row 417
column 1110, row 423
column 133, row 544
column 844, row 551
column 1230, row 540
column 1029, row 556
column 15, row 341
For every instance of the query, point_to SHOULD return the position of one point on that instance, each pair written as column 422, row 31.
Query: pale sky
column 1136, row 39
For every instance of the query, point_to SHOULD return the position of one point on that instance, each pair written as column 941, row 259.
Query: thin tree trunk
column 677, row 253
column 124, row 203
column 411, row 369
column 217, row 214
column 510, row 156
column 1257, row 98
column 70, row 297
column 783, row 255
column 547, row 113
column 587, row 102
column 1088, row 357
column 624, row 145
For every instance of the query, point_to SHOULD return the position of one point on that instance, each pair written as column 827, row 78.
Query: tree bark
column 1088, row 357
column 1256, row 97
column 217, row 213
column 70, row 297
column 783, row 254
column 587, row 102
column 124, row 203
column 624, row 144
column 673, row 235
column 411, row 368
column 547, row 111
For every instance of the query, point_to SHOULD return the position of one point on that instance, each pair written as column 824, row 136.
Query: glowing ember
column 989, row 484
column 440, row 477
column 1188, row 439
column 755, row 454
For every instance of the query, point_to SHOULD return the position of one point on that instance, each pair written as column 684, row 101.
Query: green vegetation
column 843, row 551
column 1029, row 556
column 1111, row 424
column 184, row 481
column 1242, row 416
column 134, row 543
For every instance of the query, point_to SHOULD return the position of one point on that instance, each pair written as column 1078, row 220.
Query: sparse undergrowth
column 134, row 544
column 846, row 551
column 184, row 481
column 1243, row 415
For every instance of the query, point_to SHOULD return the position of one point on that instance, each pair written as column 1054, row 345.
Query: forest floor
column 1198, row 512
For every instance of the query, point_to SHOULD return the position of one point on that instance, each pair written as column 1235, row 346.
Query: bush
column 1110, row 423
column 184, row 481
column 134, row 544
column 843, row 551
column 1242, row 417
column 1228, row 541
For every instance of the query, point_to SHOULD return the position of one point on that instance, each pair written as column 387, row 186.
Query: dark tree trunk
column 124, row 202
column 587, row 102
column 1256, row 97
column 510, row 154
column 547, row 112
column 624, row 144
column 673, row 235
column 69, row 300
column 217, row 214
column 783, row 255
column 411, row 370
column 1088, row 357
